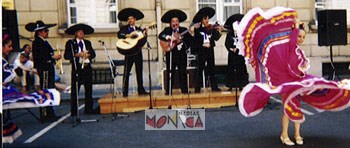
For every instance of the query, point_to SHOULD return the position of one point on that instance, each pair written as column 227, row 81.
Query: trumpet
column 83, row 58
column 59, row 63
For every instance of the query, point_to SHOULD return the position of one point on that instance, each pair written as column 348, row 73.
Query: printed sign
column 176, row 119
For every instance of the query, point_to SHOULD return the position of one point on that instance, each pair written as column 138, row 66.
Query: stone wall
column 54, row 11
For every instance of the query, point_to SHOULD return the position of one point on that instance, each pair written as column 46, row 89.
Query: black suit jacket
column 42, row 54
column 73, row 43
column 229, row 43
column 187, row 38
column 215, row 35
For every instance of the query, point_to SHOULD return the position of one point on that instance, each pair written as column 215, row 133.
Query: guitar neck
column 183, row 33
column 187, row 30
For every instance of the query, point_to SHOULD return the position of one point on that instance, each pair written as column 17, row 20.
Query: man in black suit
column 237, row 75
column 44, row 60
column 131, row 15
column 80, row 53
column 204, row 38
column 176, row 56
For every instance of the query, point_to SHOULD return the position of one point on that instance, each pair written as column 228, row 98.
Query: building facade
column 102, row 15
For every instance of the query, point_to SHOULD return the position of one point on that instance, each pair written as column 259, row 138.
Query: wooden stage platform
column 134, row 102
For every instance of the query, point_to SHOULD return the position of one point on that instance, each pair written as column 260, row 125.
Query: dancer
column 270, row 41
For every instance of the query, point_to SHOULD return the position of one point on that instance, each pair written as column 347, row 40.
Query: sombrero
column 38, row 25
column 206, row 11
column 86, row 29
column 232, row 19
column 125, row 13
column 166, row 18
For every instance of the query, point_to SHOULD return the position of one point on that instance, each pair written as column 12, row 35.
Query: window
column 96, row 13
column 332, row 4
column 224, row 8
column 112, row 11
column 72, row 12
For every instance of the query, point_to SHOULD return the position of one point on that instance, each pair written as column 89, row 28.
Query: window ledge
column 97, row 30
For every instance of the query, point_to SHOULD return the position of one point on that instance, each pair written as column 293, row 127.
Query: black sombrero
column 206, row 11
column 232, row 19
column 38, row 25
column 166, row 18
column 86, row 29
column 125, row 13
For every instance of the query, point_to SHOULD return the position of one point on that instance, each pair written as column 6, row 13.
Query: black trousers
column 129, row 61
column 206, row 56
column 47, row 80
column 237, row 75
column 83, row 77
column 179, row 60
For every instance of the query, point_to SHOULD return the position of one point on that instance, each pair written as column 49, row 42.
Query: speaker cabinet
column 10, row 27
column 332, row 27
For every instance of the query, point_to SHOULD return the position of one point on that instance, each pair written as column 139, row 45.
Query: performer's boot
column 47, row 114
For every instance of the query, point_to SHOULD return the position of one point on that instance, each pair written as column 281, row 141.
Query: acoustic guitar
column 169, row 45
column 132, row 45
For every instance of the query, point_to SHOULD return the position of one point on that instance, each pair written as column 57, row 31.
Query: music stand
column 77, row 121
column 112, row 66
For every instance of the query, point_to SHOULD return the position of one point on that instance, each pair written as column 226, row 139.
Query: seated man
column 25, row 73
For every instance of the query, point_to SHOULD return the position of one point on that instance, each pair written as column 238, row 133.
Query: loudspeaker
column 10, row 27
column 332, row 27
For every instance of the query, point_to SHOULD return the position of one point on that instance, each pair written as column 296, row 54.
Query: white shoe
column 299, row 140
column 287, row 141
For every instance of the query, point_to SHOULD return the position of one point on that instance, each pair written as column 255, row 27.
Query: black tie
column 81, row 45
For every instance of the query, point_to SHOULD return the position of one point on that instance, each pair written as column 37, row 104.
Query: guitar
column 127, row 46
column 170, row 44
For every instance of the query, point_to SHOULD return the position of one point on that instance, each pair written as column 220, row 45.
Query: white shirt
column 82, row 50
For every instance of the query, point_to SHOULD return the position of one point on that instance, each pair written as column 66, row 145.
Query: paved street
column 225, row 127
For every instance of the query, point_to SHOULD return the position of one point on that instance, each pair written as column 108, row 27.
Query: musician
column 237, row 75
column 178, row 52
column 204, row 42
column 44, row 61
column 81, row 65
column 131, row 15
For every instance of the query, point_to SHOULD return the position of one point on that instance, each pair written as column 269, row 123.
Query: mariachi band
column 175, row 41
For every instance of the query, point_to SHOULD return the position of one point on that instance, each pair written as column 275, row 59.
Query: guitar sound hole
column 126, row 42
column 134, row 36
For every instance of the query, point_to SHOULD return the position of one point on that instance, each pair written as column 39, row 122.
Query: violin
column 215, row 26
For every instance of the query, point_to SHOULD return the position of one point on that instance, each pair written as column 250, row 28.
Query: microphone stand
column 149, row 75
column 77, row 121
column 111, row 66
column 170, row 89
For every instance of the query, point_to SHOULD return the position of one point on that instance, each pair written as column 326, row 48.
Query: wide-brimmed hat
column 206, row 11
column 73, row 29
column 38, row 25
column 232, row 19
column 125, row 13
column 166, row 18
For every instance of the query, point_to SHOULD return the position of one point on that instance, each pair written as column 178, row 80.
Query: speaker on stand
column 10, row 27
column 332, row 30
